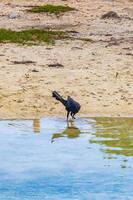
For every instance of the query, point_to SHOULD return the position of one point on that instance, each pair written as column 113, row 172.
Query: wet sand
column 97, row 73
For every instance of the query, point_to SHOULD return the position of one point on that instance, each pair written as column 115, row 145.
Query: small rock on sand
column 110, row 14
column 14, row 15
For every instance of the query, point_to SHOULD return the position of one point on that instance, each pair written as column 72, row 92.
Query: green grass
column 31, row 36
column 51, row 9
column 35, row 36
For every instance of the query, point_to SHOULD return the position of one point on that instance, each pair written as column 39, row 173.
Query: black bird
column 70, row 104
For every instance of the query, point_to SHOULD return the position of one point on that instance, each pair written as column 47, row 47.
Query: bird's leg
column 73, row 116
column 67, row 115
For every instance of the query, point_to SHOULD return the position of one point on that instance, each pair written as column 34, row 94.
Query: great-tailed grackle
column 70, row 104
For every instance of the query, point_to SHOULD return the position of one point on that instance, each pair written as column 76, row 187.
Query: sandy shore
column 98, row 73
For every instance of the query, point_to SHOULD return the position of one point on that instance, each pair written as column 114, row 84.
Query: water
column 45, row 159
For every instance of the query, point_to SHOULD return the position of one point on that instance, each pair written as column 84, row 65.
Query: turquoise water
column 90, row 159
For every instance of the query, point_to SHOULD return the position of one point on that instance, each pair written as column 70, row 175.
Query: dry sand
column 98, row 74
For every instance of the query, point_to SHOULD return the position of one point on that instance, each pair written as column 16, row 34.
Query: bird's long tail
column 59, row 98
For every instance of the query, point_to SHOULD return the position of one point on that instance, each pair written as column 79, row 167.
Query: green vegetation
column 35, row 36
column 51, row 9
column 31, row 36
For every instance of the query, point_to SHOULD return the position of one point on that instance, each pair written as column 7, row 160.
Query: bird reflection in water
column 36, row 125
column 71, row 132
